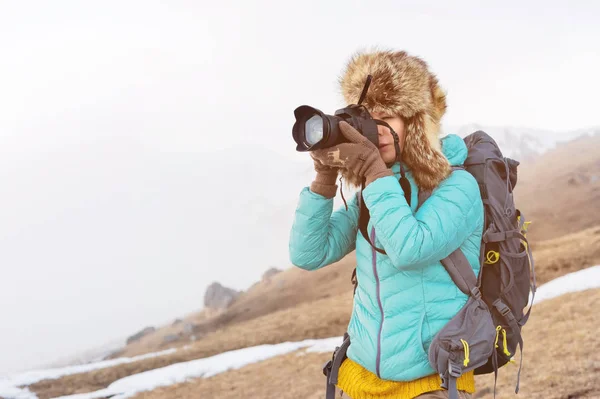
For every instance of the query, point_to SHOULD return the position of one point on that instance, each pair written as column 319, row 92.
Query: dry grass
column 560, row 256
column 288, row 376
column 562, row 360
column 560, row 191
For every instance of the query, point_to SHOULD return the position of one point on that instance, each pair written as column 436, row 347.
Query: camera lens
column 313, row 130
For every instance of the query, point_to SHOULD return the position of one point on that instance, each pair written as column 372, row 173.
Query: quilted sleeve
column 318, row 236
column 452, row 213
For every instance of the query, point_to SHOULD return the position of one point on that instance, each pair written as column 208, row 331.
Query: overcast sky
column 117, row 118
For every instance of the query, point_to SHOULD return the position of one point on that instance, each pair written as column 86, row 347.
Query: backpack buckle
column 327, row 368
column 476, row 293
column 454, row 370
column 504, row 310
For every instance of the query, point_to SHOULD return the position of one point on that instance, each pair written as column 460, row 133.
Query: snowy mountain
column 520, row 143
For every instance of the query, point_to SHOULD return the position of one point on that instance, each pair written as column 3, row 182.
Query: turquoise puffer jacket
column 405, row 297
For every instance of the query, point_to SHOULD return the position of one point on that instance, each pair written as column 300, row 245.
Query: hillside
column 560, row 190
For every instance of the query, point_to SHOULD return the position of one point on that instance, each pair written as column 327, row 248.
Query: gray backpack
column 485, row 334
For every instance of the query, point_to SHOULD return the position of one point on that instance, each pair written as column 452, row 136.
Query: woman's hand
column 359, row 156
column 324, row 183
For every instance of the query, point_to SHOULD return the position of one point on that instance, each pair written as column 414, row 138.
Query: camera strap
column 363, row 220
column 364, row 215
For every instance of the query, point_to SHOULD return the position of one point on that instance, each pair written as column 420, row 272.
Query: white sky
column 118, row 117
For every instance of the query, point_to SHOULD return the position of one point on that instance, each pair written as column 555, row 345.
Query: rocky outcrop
column 270, row 273
column 219, row 297
column 171, row 338
column 577, row 179
column 137, row 336
column 190, row 328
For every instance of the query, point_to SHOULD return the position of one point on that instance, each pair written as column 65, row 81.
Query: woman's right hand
column 324, row 183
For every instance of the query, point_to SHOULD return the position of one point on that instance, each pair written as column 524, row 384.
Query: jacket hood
column 454, row 149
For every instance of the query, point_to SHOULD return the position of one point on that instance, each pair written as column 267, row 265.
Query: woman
column 405, row 296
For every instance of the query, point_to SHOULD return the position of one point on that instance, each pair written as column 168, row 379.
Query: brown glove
column 359, row 156
column 324, row 183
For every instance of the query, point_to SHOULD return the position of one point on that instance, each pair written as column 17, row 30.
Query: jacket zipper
column 374, row 262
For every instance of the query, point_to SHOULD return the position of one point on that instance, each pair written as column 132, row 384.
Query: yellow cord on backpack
column 497, row 336
column 525, row 225
column 466, row 346
column 506, row 351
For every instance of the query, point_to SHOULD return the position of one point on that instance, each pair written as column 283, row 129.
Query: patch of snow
column 325, row 345
column 181, row 372
column 11, row 392
column 9, row 383
column 573, row 282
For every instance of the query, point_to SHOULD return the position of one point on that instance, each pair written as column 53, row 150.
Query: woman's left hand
column 359, row 155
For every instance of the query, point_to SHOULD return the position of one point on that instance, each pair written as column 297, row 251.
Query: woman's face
column 386, row 140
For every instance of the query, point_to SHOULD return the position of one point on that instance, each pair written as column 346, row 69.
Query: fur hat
column 403, row 86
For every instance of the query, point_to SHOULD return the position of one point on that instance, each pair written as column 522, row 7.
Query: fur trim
column 423, row 153
column 403, row 86
column 351, row 178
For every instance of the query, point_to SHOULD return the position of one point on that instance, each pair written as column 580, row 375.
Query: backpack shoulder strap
column 458, row 267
